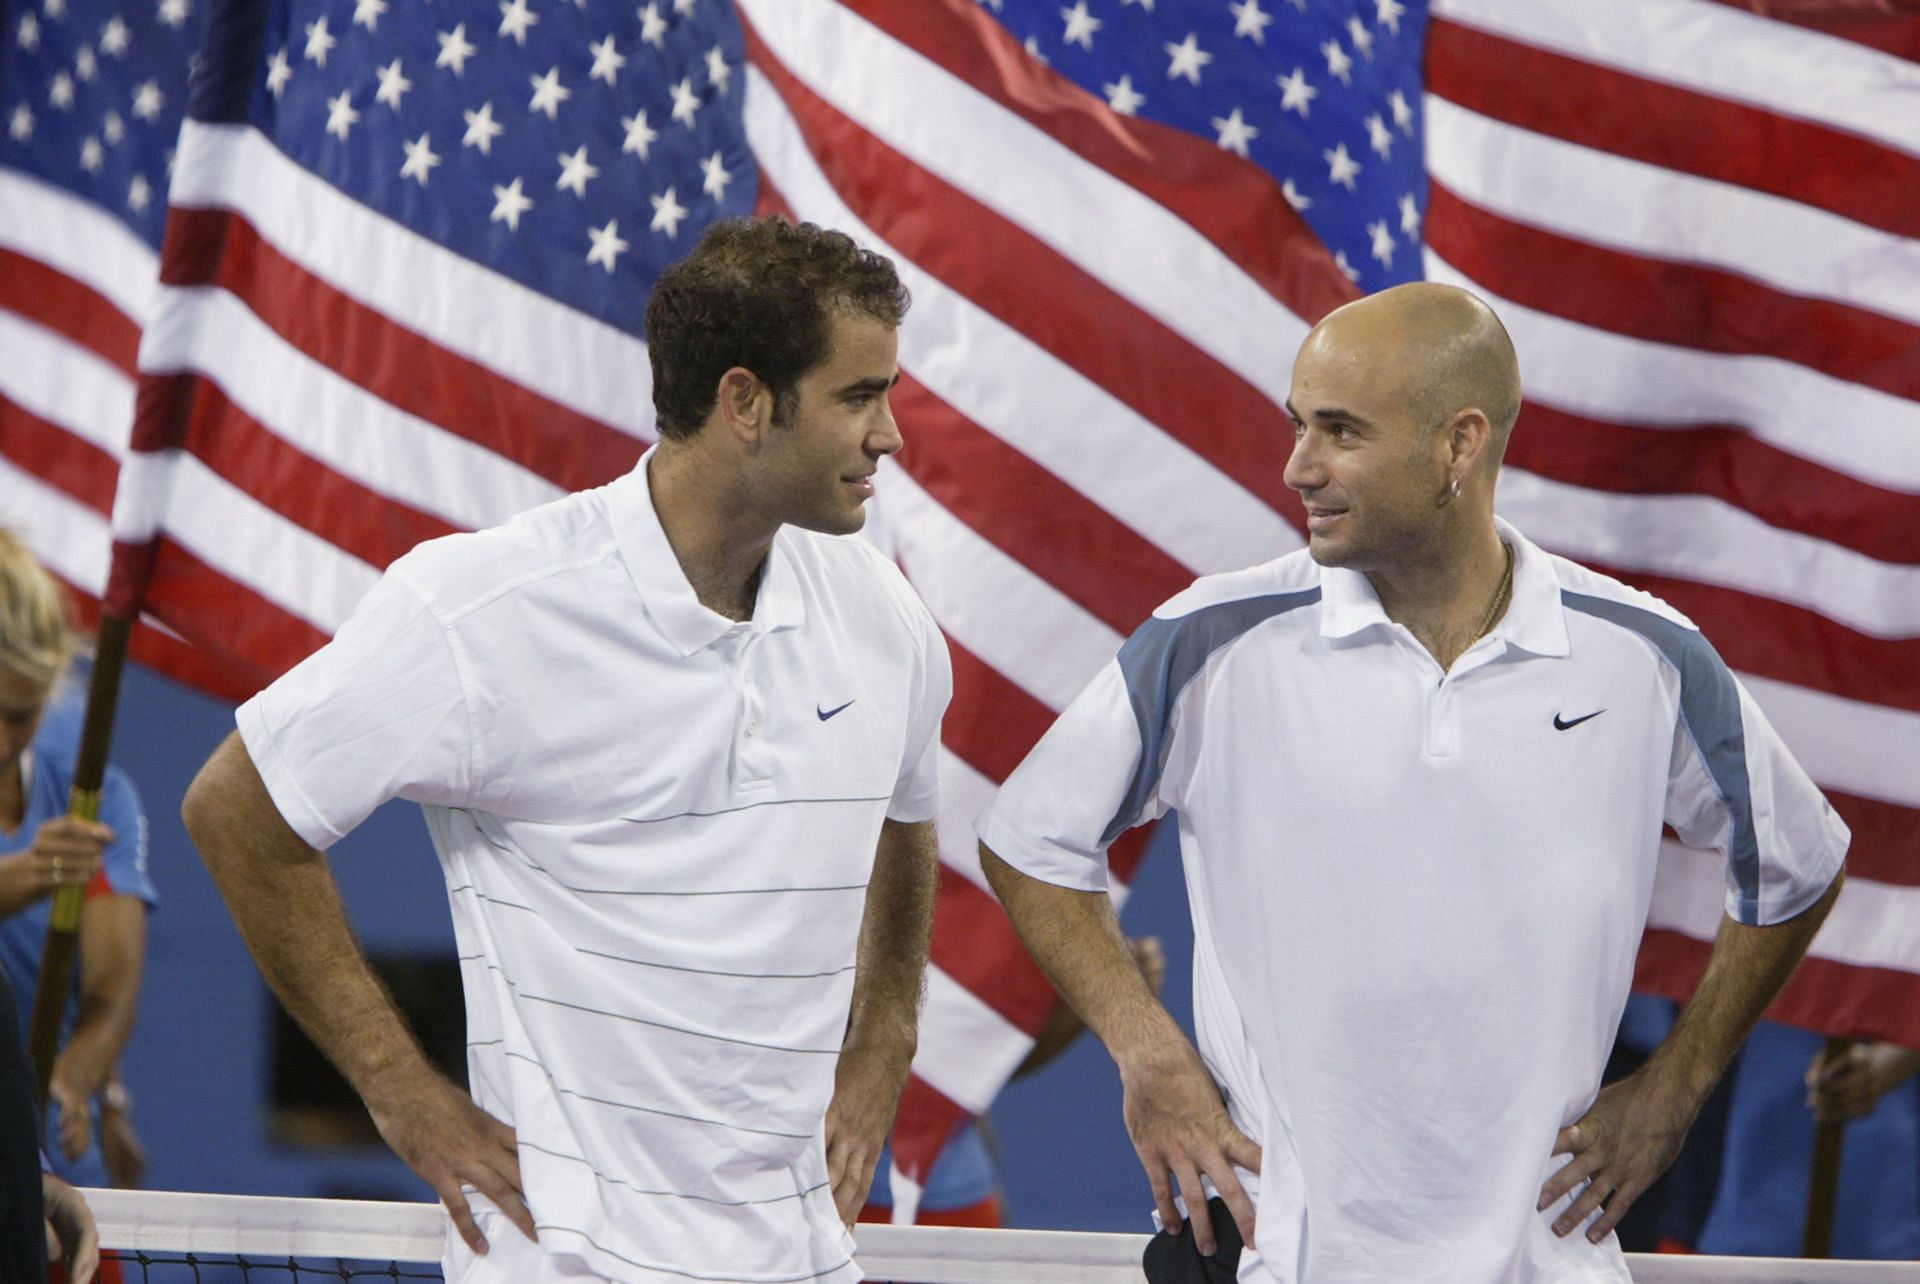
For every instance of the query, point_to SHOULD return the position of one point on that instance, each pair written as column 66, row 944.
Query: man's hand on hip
column 1619, row 1147
column 1636, row 1126
column 452, row 1144
column 1181, row 1132
column 866, row 1093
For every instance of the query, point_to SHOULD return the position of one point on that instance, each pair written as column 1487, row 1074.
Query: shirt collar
column 1536, row 618
column 664, row 589
column 1534, row 621
column 1348, row 603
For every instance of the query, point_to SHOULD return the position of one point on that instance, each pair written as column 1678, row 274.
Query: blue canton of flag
column 1322, row 94
column 91, row 96
column 577, row 148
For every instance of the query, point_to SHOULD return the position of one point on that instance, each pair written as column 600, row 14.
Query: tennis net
column 162, row 1237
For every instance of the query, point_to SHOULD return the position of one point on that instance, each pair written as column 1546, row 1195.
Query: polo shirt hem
column 1832, row 859
column 1041, row 860
column 513, row 1259
column 629, row 1271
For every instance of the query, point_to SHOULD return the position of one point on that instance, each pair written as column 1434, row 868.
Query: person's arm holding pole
column 63, row 927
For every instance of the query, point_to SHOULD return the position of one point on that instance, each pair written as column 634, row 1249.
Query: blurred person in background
column 1851, row 1085
column 1784, row 1084
column 43, row 849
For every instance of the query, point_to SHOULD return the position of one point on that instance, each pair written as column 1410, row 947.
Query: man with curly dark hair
column 676, row 744
column 761, row 294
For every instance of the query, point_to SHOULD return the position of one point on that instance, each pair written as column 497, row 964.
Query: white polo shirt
column 657, row 827
column 1417, row 895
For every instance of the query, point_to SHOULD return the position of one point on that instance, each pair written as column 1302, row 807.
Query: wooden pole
column 63, row 929
column 1823, row 1181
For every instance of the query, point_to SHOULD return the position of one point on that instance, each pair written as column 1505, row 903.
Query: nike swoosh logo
column 828, row 713
column 1558, row 725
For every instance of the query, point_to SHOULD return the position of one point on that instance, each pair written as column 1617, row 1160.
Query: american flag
column 409, row 246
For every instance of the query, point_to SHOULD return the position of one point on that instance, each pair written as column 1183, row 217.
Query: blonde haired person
column 42, row 849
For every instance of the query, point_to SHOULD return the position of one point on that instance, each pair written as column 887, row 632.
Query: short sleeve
column 1733, row 785
column 916, row 792
column 1079, row 788
column 1116, row 758
column 378, row 713
column 123, row 867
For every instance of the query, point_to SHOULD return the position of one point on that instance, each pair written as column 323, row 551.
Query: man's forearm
column 283, row 898
column 1076, row 938
column 1747, row 968
column 1173, row 1109
column 895, row 930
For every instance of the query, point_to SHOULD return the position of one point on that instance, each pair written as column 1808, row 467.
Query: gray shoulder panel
column 1710, row 711
column 1160, row 659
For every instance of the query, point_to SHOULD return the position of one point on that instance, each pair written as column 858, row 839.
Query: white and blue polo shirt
column 1417, row 894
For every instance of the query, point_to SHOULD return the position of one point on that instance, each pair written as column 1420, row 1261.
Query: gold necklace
column 1499, row 596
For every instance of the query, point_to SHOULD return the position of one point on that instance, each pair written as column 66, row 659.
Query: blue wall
column 198, row 1064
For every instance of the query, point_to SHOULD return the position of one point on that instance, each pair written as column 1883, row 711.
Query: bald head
column 1446, row 348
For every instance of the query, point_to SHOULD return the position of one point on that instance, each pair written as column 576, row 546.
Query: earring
column 1456, row 488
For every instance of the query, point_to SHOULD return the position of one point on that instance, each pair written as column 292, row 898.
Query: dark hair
column 759, row 294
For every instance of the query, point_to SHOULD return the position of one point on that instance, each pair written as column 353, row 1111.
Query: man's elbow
column 1807, row 922
column 1001, row 877
column 211, row 798
column 197, row 808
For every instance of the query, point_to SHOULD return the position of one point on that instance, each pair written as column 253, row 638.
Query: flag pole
column 1823, row 1180
column 63, row 928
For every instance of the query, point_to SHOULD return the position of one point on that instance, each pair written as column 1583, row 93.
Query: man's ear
column 1469, row 436
column 744, row 405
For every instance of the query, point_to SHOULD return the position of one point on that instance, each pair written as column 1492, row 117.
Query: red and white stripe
column 76, row 287
column 1702, row 227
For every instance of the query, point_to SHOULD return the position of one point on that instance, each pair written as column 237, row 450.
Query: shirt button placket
column 750, row 695
column 1443, row 722
column 752, row 757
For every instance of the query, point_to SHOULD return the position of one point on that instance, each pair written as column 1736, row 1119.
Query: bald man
column 1421, row 770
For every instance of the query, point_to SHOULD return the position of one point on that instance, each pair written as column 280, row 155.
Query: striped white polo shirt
column 1417, row 895
column 657, row 827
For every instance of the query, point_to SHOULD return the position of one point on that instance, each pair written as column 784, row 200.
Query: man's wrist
column 891, row 1053
column 114, row 1096
column 1156, row 1050
column 395, row 1082
column 1680, row 1083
